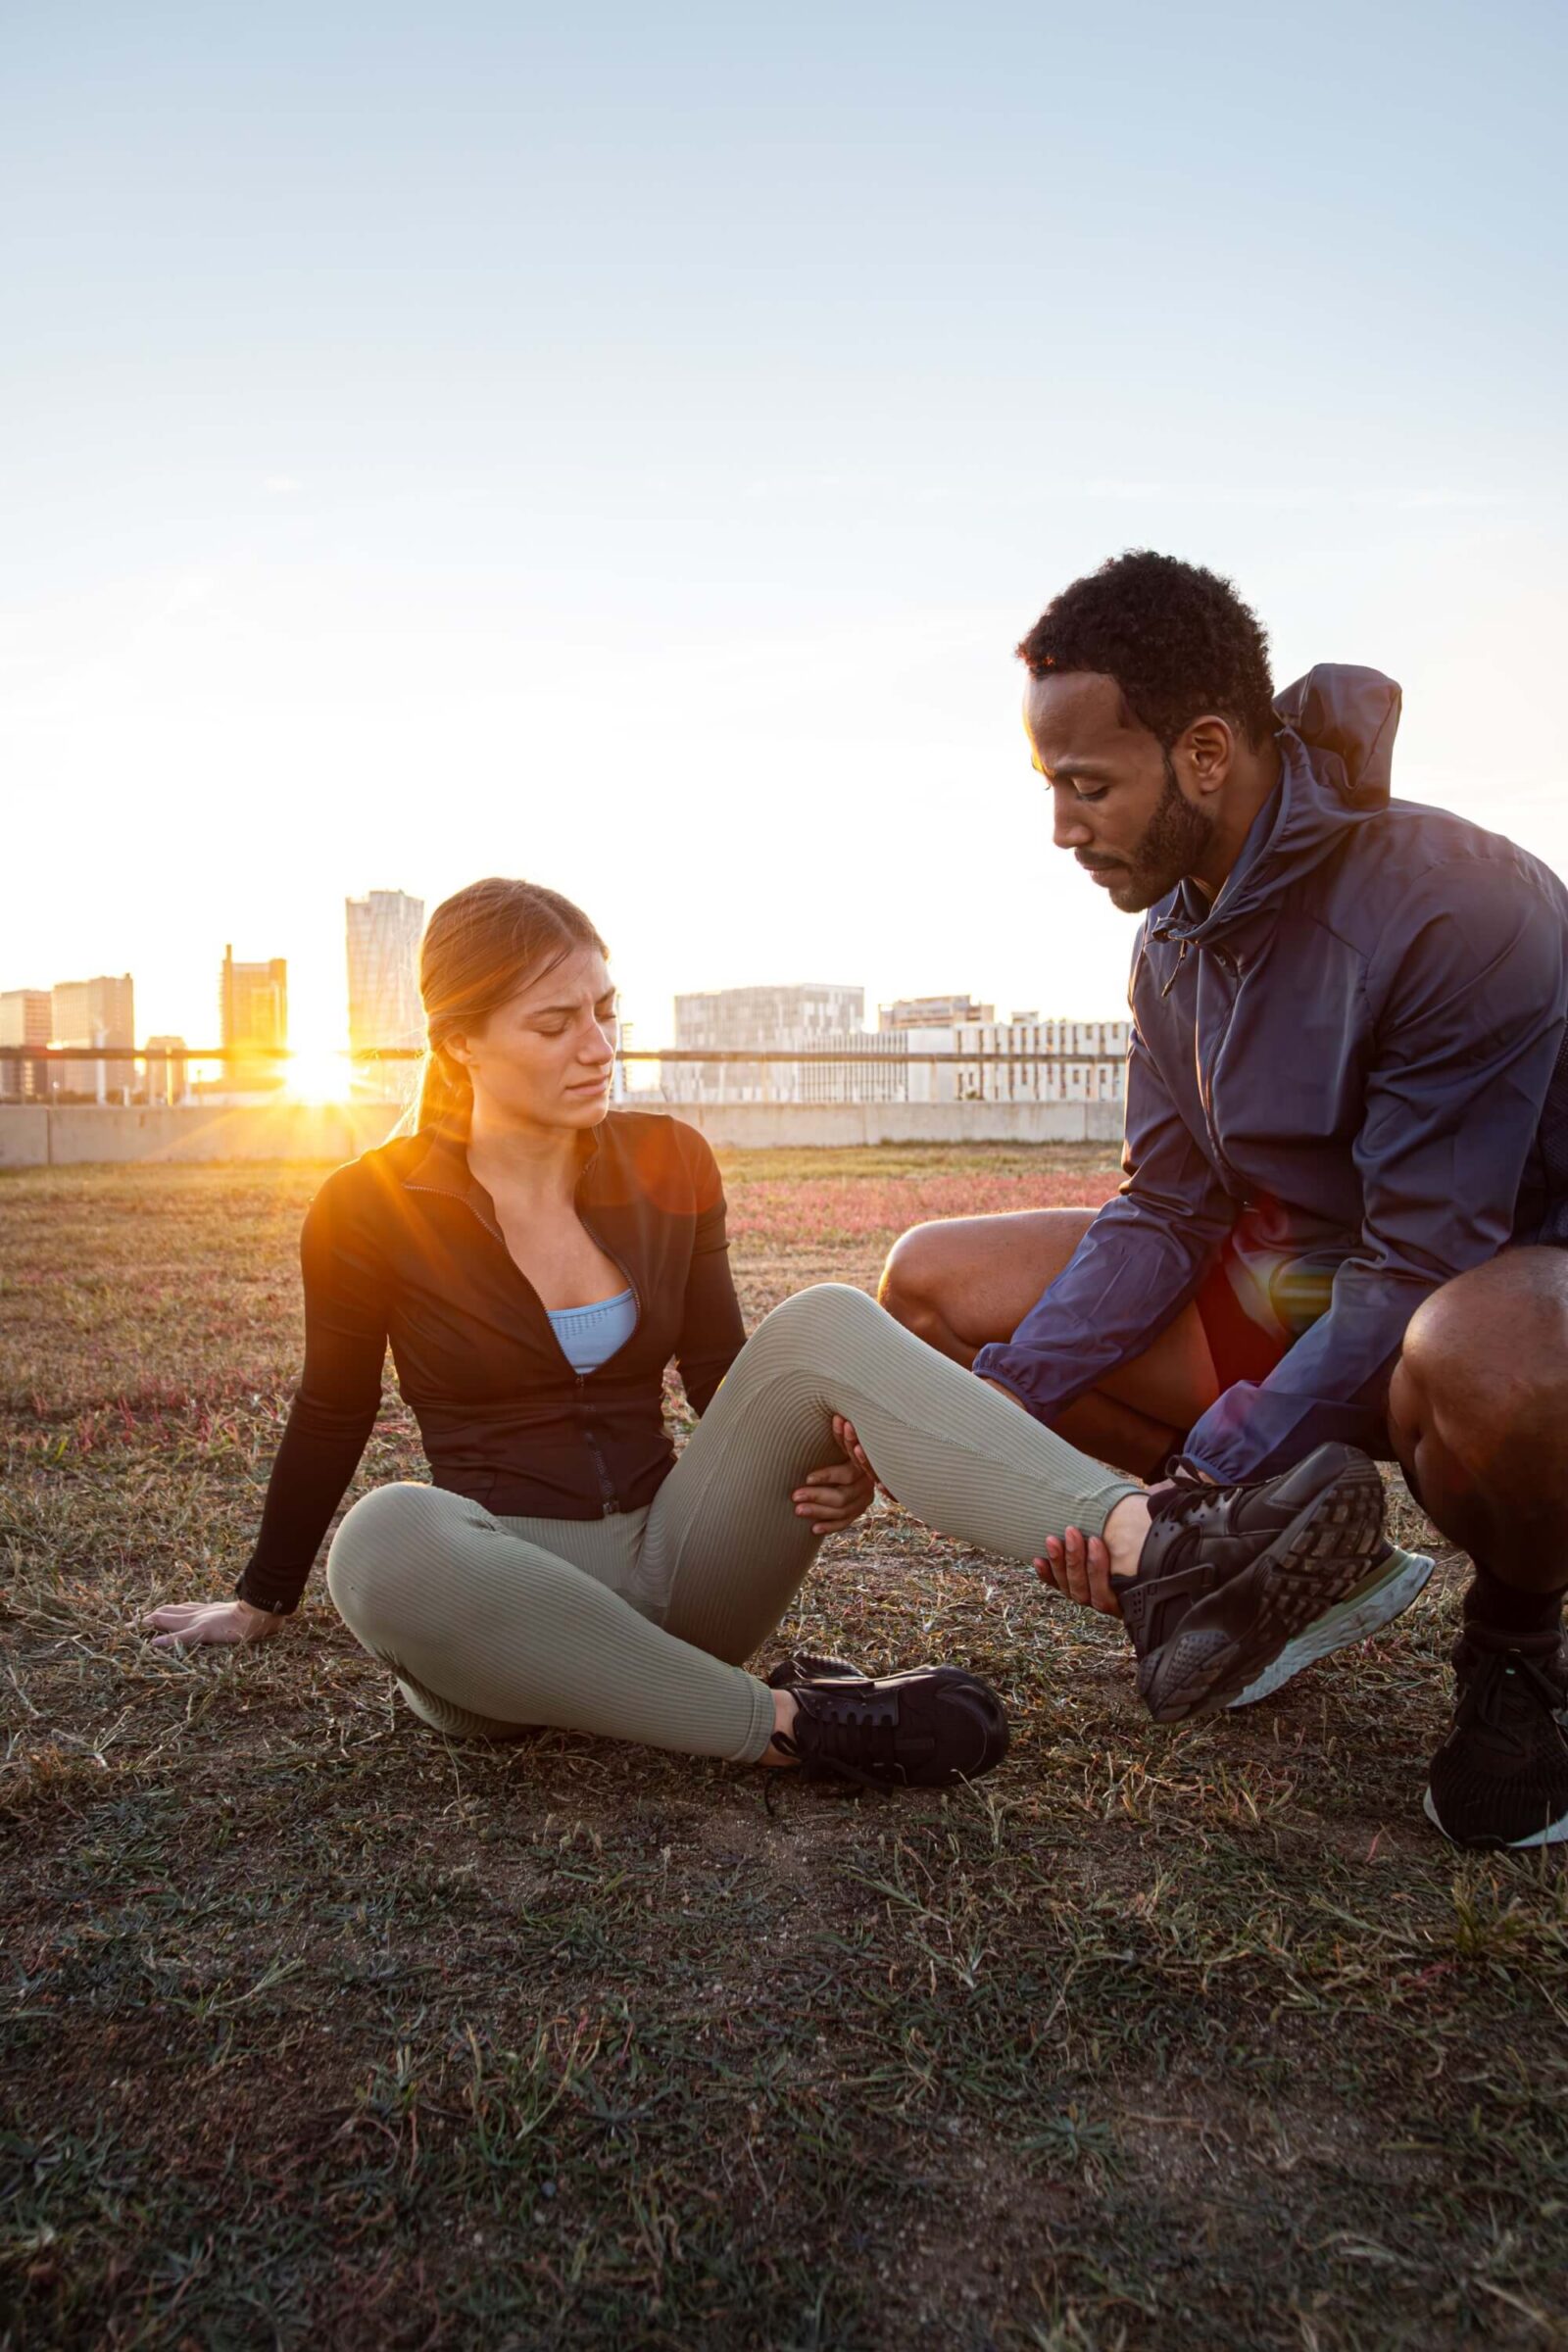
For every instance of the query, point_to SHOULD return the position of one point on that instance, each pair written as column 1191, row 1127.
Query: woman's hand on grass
column 834, row 1496
column 182, row 1624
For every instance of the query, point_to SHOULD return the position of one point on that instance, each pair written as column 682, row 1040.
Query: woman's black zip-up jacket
column 403, row 1245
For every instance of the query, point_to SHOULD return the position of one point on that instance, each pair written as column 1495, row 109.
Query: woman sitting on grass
column 537, row 1259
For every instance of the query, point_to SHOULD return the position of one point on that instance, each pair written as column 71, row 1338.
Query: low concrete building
column 766, row 1019
column 1040, row 1061
column 168, row 1071
column 932, row 1012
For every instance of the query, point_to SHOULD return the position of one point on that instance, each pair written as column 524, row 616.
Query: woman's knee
column 814, row 1325
column 383, row 1536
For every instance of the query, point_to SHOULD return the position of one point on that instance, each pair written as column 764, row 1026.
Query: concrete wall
column 756, row 1126
column 73, row 1135
column 24, row 1134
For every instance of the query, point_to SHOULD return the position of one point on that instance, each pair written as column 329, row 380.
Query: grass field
column 321, row 2031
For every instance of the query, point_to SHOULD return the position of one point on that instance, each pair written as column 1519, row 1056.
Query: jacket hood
column 1348, row 719
column 1335, row 743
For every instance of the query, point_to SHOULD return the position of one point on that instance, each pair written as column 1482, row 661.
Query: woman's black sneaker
column 1500, row 1777
column 802, row 1667
column 1228, row 1576
column 921, row 1730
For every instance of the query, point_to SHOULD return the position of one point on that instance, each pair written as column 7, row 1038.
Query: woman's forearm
column 317, row 1461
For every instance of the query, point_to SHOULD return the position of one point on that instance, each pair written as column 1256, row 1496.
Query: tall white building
column 383, row 952
column 94, row 1013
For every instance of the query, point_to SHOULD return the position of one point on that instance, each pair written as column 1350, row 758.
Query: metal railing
column 237, row 1054
column 166, row 1074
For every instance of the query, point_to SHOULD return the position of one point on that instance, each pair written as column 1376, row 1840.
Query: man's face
column 1118, row 802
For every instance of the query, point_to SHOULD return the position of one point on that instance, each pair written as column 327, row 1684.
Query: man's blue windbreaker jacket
column 1356, row 1057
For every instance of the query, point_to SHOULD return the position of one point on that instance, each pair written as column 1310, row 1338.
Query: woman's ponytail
column 446, row 1093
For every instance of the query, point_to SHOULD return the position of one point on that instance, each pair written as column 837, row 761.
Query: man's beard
column 1172, row 843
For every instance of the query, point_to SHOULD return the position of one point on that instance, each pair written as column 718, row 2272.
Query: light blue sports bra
column 589, row 1336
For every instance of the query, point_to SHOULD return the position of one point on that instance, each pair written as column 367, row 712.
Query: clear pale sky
column 624, row 452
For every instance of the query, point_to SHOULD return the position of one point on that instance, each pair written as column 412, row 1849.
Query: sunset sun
column 319, row 1073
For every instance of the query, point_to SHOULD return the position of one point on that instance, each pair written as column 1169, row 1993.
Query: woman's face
column 546, row 1057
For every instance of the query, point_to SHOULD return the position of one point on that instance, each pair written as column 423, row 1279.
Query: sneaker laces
column 1182, row 1502
column 1184, row 1495
column 845, row 1726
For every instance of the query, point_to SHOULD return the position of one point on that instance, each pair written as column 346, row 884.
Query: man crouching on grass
column 1344, row 1219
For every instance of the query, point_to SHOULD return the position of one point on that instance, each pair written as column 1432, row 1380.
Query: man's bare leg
column 964, row 1282
column 1478, row 1411
column 1478, row 1406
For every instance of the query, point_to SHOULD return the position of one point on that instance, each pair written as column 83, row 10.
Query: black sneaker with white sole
column 1230, row 1577
column 1500, row 1777
column 1394, row 1580
column 921, row 1730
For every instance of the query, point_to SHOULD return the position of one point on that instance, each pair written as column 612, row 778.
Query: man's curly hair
column 1177, row 639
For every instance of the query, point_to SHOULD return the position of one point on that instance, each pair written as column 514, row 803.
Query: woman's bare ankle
column 784, row 1713
column 1124, row 1534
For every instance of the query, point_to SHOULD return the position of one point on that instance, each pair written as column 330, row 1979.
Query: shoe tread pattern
column 1385, row 1598
column 1318, row 1560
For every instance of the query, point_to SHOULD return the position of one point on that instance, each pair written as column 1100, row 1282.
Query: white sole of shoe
column 1555, row 1834
column 1386, row 1594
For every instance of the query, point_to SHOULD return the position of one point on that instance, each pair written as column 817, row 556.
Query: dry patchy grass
column 319, row 2030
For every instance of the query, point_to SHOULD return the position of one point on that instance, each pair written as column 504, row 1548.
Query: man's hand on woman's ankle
column 1080, row 1567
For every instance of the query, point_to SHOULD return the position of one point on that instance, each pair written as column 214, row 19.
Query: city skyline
column 670, row 547
column 209, row 1040
column 377, row 931
column 815, row 1047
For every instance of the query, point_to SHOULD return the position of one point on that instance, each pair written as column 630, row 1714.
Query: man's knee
column 913, row 1277
column 1483, row 1372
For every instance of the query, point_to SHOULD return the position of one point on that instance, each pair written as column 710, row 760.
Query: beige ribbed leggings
column 635, row 1626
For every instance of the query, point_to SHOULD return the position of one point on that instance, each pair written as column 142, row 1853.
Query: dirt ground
column 319, row 2030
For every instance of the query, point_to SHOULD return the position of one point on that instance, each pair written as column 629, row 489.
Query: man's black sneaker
column 1395, row 1579
column 1500, row 1777
column 1230, row 1576
column 921, row 1730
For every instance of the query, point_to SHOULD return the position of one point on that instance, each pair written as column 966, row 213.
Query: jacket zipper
column 609, row 1505
column 610, row 1502
column 606, row 1486
column 1228, row 966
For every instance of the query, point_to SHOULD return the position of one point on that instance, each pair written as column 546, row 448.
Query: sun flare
column 318, row 1074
